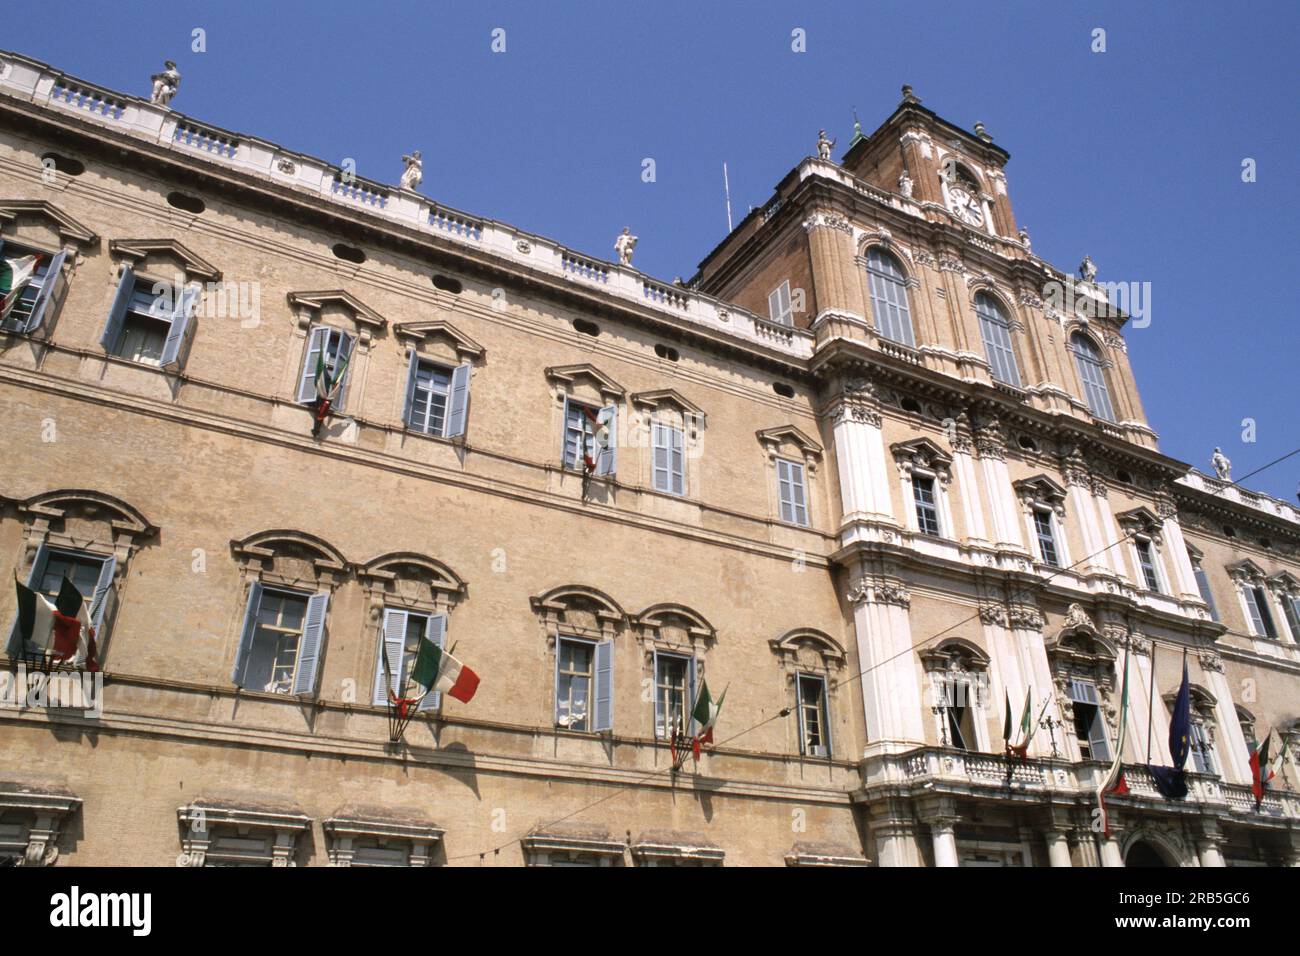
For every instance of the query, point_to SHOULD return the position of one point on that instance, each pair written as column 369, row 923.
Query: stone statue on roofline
column 824, row 145
column 165, row 84
column 905, row 185
column 624, row 246
column 1088, row 269
column 1222, row 466
column 413, row 171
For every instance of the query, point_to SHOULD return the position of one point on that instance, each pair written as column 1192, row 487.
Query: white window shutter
column 412, row 376
column 99, row 601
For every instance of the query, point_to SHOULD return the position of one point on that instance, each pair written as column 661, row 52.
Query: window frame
column 1148, row 561
column 887, row 292
column 822, row 709
column 40, row 292
column 995, row 332
column 674, row 481
column 1046, row 539
column 930, row 481
column 662, row 706
column 782, row 311
column 1090, row 365
column 792, row 475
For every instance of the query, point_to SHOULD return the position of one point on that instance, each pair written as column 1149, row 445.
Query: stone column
column 945, row 841
column 1230, row 741
column 1184, row 576
column 830, row 247
column 891, row 696
column 1110, row 855
column 1058, row 847
column 1208, row 844
column 894, row 829
column 860, row 455
column 1111, row 539
column 963, row 468
column 1078, row 483
column 1003, row 508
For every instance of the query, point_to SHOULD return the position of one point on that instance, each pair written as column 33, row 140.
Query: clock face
column 965, row 206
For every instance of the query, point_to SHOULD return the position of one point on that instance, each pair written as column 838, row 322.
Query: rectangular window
column 337, row 347
column 668, row 467
column 272, row 658
column 1291, row 608
column 1203, row 585
column 927, row 512
column 91, row 574
column 1202, row 754
column 573, row 686
column 150, row 322
column 1146, row 560
column 673, row 680
column 1260, row 617
column 794, row 497
column 814, row 737
column 779, row 306
column 1046, row 537
column 428, row 408
column 19, row 312
column 1089, row 726
column 579, row 435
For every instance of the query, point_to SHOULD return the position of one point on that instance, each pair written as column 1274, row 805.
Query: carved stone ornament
column 1210, row 661
column 286, row 166
column 827, row 220
column 1076, row 617
column 1025, row 618
column 880, row 592
column 993, row 615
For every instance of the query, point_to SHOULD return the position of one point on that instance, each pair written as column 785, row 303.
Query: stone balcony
column 49, row 89
column 945, row 771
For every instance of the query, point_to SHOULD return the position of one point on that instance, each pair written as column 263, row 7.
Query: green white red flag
column 705, row 714
column 1263, row 769
column 1114, row 781
column 15, row 276
column 437, row 671
column 328, row 382
column 62, row 628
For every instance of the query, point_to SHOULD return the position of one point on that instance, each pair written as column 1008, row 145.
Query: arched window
column 889, row 297
column 995, row 330
column 1087, row 357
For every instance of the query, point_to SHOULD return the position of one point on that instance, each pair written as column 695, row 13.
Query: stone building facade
column 870, row 477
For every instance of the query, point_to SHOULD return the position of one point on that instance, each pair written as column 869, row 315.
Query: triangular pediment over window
column 138, row 250
column 69, row 229
column 567, row 375
column 316, row 302
column 433, row 330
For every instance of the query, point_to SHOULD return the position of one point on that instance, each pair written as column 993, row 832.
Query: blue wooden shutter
column 571, row 437
column 33, row 578
column 604, row 710
column 659, row 462
column 99, row 601
column 392, row 641
column 690, row 696
column 117, row 314
column 313, row 639
column 347, row 349
column 53, row 278
column 458, row 403
column 607, row 457
column 316, row 341
column 182, row 320
column 412, row 375
column 435, row 631
column 1097, row 741
column 661, row 717
column 246, row 633
column 798, row 707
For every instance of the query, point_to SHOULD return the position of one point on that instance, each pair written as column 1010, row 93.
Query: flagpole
column 1151, row 701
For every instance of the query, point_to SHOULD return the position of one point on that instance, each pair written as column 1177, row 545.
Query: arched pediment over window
column 664, row 617
column 292, row 558
column 77, row 505
column 411, row 580
column 956, row 653
column 578, row 610
column 802, row 643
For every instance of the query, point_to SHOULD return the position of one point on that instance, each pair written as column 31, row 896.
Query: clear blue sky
column 1132, row 156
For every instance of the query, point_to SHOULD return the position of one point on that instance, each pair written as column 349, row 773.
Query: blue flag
column 1171, row 781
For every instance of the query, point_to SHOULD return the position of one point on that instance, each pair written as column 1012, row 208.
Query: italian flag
column 327, row 386
column 62, row 629
column 1114, row 781
column 1262, row 770
column 705, row 715
column 1026, row 726
column 437, row 671
column 15, row 276
column 600, row 437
